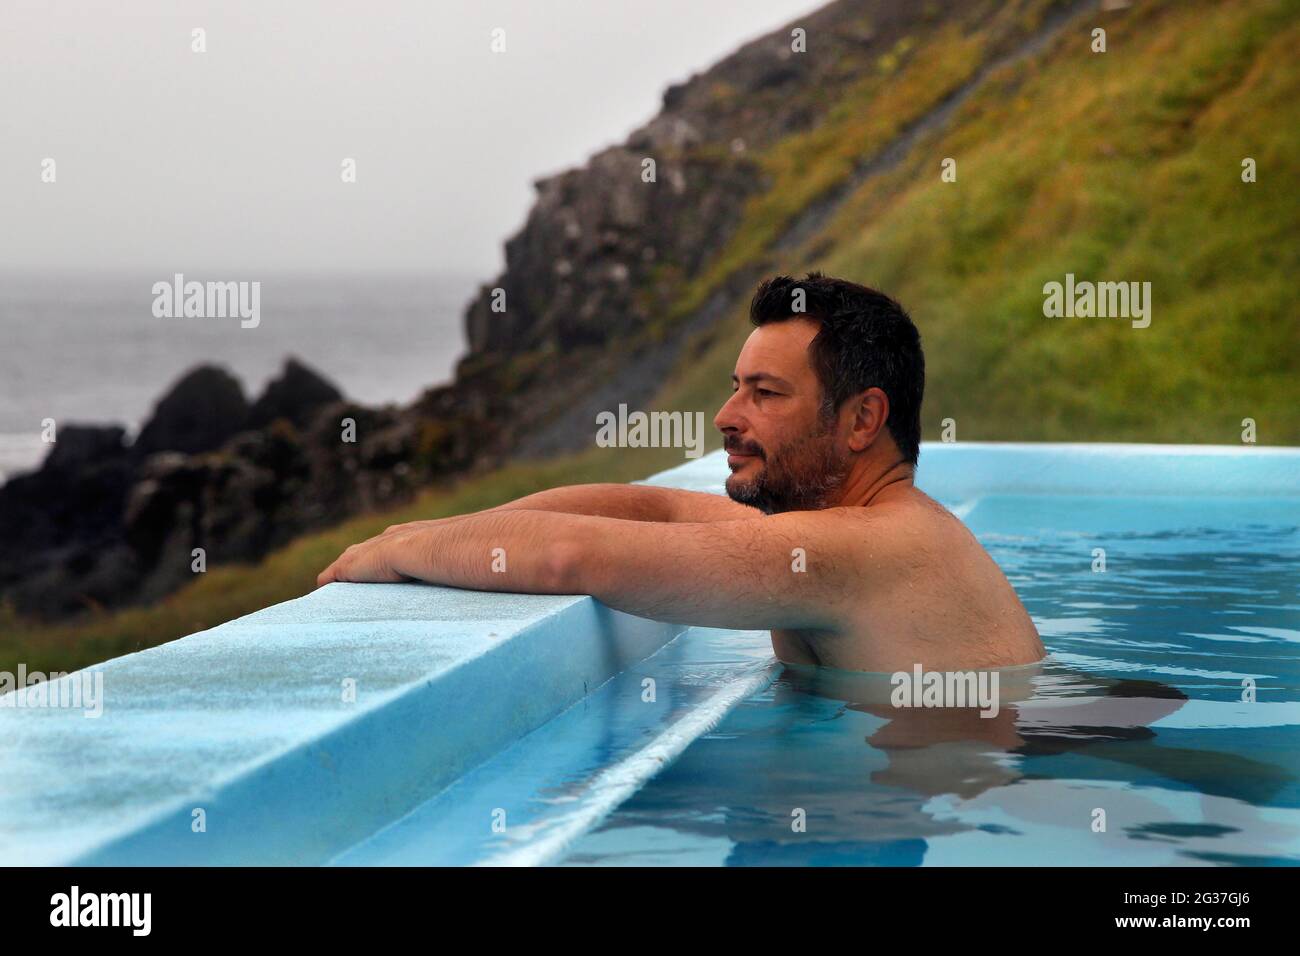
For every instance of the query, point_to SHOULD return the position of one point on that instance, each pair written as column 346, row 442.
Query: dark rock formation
column 297, row 394
column 202, row 410
column 593, row 279
column 58, row 522
column 84, row 446
column 103, row 523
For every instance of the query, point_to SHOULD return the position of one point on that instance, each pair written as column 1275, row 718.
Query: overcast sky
column 229, row 161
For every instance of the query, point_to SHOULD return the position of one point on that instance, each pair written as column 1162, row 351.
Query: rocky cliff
column 104, row 523
column 613, row 276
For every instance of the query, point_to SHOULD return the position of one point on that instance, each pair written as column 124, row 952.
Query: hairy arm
column 634, row 503
column 723, row 573
column 627, row 502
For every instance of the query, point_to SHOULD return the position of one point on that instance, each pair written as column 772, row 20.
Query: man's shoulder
column 903, row 509
column 914, row 524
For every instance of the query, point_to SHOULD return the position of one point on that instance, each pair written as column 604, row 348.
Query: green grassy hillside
column 1123, row 165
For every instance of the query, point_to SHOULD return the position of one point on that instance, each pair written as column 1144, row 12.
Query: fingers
column 367, row 562
column 331, row 572
column 373, row 559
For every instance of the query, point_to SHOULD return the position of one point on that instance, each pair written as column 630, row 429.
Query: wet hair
column 866, row 340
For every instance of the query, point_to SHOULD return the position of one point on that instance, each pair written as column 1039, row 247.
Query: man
column 823, row 539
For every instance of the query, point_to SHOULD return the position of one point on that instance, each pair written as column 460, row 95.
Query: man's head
column 831, row 377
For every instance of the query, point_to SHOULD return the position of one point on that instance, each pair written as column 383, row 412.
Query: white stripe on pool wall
column 613, row 785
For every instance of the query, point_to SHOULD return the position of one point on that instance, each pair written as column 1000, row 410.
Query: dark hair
column 866, row 341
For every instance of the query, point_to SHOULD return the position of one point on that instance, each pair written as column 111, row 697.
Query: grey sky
column 229, row 161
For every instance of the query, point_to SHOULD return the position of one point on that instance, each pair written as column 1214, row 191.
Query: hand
column 463, row 552
column 373, row 560
column 379, row 559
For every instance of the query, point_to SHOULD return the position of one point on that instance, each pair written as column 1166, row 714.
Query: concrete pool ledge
column 249, row 727
column 248, row 723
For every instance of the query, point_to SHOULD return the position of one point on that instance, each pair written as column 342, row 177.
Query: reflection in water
column 1103, row 718
column 867, row 795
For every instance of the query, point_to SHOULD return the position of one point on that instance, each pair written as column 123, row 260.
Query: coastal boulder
column 83, row 446
column 297, row 395
column 75, row 498
column 199, row 413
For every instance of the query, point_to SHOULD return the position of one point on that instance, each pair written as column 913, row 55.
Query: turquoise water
column 1132, row 744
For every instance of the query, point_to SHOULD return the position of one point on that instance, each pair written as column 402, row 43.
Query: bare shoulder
column 909, row 530
column 911, row 570
column 912, row 512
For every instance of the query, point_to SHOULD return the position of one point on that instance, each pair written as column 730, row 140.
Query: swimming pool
column 496, row 729
column 1158, row 609
column 1138, row 713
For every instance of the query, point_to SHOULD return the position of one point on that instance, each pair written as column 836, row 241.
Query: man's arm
column 634, row 503
column 629, row 502
column 737, row 574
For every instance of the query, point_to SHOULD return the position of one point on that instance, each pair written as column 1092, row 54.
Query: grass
column 805, row 166
column 1110, row 168
column 1118, row 166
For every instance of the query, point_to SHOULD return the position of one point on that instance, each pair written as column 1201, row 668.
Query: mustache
column 735, row 446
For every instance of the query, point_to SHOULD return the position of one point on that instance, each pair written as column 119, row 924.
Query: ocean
column 90, row 349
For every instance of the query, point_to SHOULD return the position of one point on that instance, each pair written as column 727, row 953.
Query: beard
column 799, row 476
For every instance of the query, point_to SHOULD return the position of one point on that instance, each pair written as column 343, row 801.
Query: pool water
column 1135, row 743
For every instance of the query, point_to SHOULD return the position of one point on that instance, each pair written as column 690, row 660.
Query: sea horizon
column 85, row 347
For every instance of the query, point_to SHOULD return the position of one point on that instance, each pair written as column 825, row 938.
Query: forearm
column 608, row 500
column 527, row 551
column 629, row 502
column 488, row 551
column 647, row 503
column 717, row 574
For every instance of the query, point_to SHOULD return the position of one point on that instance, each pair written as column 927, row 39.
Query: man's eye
column 765, row 391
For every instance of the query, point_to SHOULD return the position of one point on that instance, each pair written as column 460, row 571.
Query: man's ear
column 871, row 411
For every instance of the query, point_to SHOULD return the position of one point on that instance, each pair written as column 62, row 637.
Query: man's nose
column 727, row 420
